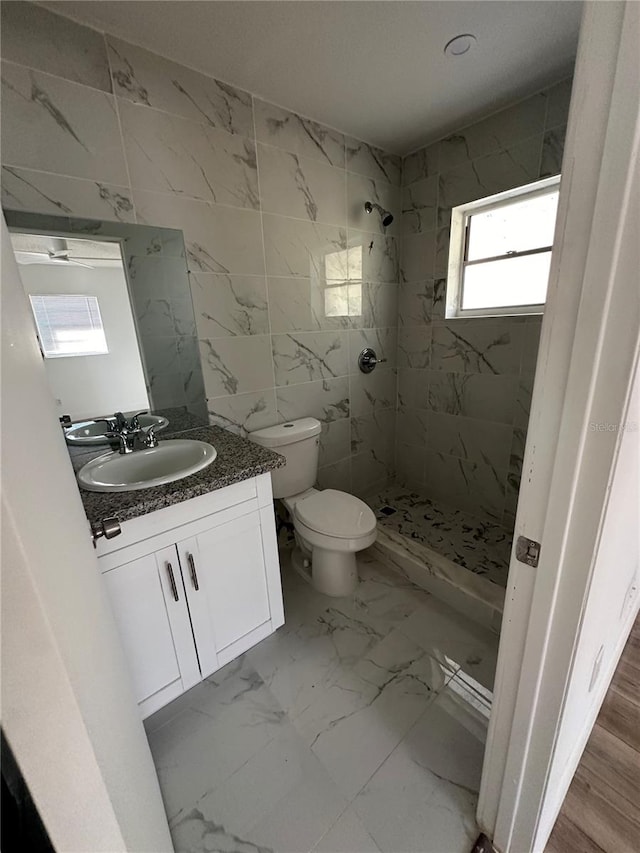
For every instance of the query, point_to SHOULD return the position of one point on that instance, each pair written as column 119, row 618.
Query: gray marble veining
column 238, row 459
column 376, row 390
column 334, row 441
column 42, row 192
column 243, row 413
column 420, row 206
column 302, row 187
column 353, row 706
column 470, row 438
column 147, row 78
column 325, row 399
column 374, row 432
column 371, row 161
column 468, row 346
column 476, row 486
column 481, row 547
column 488, row 396
column 417, row 257
column 416, row 303
column 237, row 364
column 305, row 356
column 297, row 248
column 292, row 132
column 219, row 239
column 37, row 37
column 501, row 170
column 420, row 164
column 414, row 347
column 496, row 133
column 171, row 154
column 53, row 125
column 229, row 305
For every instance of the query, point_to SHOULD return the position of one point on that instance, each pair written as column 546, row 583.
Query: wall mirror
column 113, row 314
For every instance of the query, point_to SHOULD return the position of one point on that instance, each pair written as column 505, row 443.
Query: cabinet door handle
column 194, row 574
column 172, row 581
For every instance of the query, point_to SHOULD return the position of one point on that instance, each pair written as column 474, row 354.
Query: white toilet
column 331, row 526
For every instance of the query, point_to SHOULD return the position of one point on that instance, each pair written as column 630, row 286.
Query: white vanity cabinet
column 193, row 586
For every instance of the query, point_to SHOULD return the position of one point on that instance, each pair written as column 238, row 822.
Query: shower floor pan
column 446, row 551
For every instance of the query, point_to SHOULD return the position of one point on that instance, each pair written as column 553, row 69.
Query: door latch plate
column 527, row 551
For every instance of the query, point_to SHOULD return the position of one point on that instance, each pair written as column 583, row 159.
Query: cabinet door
column 149, row 604
column 225, row 579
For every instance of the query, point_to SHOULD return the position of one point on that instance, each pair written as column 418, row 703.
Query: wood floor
column 601, row 812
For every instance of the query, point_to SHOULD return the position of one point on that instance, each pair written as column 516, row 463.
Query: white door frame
column 588, row 349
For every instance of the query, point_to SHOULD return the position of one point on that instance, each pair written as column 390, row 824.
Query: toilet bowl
column 330, row 526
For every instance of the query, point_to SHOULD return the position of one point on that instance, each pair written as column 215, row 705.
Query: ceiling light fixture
column 459, row 45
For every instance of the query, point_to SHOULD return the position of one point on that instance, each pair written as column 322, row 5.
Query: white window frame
column 460, row 216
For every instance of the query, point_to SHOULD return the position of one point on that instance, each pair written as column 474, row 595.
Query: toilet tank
column 299, row 442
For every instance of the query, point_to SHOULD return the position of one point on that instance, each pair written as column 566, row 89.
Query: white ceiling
column 375, row 70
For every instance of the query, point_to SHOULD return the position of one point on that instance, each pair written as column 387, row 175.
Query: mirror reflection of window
column 69, row 325
column 343, row 283
column 79, row 296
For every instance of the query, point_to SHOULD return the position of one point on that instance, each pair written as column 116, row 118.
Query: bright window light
column 343, row 300
column 69, row 325
column 343, row 283
column 500, row 252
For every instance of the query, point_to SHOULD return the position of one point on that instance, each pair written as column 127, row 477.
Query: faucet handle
column 134, row 423
column 151, row 440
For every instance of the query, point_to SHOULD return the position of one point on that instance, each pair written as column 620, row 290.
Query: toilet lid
column 336, row 514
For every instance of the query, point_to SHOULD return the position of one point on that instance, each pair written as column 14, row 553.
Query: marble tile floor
column 482, row 547
column 357, row 727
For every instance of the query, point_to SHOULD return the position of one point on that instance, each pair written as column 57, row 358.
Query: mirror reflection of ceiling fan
column 77, row 252
column 50, row 257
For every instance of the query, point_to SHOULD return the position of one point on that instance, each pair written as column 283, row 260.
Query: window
column 69, row 325
column 500, row 252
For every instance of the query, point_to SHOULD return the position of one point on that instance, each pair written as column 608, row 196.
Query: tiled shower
column 464, row 386
column 290, row 278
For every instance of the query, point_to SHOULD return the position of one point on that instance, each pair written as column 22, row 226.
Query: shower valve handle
column 367, row 360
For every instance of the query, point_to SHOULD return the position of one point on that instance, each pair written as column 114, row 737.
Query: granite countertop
column 237, row 459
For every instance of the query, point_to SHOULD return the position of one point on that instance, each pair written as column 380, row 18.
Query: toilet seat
column 336, row 514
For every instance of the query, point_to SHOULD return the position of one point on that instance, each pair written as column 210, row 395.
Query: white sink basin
column 93, row 432
column 170, row 460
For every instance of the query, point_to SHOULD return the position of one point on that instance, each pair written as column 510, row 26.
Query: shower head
column 387, row 218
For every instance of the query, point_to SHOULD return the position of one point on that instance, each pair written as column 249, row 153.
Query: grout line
column 59, row 77
column 482, row 118
column 6, row 165
column 264, row 262
column 121, row 133
column 208, row 125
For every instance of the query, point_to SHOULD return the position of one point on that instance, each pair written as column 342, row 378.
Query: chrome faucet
column 129, row 433
column 134, row 439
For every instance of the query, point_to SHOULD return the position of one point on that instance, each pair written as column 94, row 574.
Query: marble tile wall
column 464, row 386
column 290, row 278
